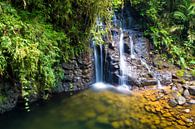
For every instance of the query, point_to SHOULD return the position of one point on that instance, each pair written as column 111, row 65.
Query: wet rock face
column 9, row 99
column 139, row 70
column 78, row 73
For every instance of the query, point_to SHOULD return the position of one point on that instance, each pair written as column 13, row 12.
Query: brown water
column 90, row 110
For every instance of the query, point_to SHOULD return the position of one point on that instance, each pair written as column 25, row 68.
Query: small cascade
column 119, row 68
column 101, row 64
column 97, row 64
column 122, row 61
column 159, row 85
column 99, row 67
column 123, row 68
column 155, row 76
column 132, row 46
column 98, row 58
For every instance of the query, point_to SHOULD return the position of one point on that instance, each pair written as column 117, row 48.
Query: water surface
column 86, row 110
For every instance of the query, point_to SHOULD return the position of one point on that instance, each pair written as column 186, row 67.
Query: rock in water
column 192, row 101
column 173, row 103
column 181, row 100
column 192, row 90
column 187, row 110
column 186, row 93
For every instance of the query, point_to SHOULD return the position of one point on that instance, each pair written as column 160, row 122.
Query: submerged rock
column 181, row 100
column 192, row 101
column 173, row 102
column 186, row 93
column 187, row 110
column 192, row 90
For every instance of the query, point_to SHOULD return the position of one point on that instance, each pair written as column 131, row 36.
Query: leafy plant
column 37, row 36
column 170, row 24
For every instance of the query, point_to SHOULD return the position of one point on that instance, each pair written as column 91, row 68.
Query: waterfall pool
column 105, row 109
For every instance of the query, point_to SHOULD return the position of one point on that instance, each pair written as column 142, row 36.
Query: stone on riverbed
column 192, row 101
column 172, row 102
column 186, row 93
column 181, row 100
column 192, row 90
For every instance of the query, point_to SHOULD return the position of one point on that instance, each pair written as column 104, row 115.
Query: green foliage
column 76, row 18
column 180, row 73
column 193, row 73
column 30, row 50
column 2, row 99
column 170, row 24
column 36, row 36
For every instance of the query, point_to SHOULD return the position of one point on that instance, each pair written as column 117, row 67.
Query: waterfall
column 159, row 86
column 97, row 74
column 122, row 80
column 122, row 73
column 101, row 64
column 98, row 58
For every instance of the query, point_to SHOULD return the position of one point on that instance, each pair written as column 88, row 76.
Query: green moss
column 2, row 99
column 193, row 73
column 180, row 73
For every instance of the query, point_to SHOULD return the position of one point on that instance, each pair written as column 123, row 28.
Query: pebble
column 192, row 101
column 186, row 93
column 172, row 102
column 181, row 100
column 187, row 110
column 180, row 122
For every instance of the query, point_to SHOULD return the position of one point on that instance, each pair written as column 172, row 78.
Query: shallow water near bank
column 90, row 110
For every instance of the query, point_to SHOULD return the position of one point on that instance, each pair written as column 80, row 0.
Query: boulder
column 173, row 103
column 192, row 90
column 166, row 78
column 180, row 100
column 186, row 93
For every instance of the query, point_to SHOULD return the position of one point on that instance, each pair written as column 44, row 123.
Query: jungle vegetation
column 36, row 36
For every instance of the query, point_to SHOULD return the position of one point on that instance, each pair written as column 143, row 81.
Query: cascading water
column 121, row 72
column 155, row 76
column 97, row 64
column 99, row 68
column 123, row 68
column 132, row 46
column 101, row 63
column 122, row 60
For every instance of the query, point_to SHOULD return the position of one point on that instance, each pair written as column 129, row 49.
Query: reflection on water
column 86, row 110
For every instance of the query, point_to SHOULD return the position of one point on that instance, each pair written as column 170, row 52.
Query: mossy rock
column 90, row 114
column 180, row 73
column 102, row 119
column 116, row 124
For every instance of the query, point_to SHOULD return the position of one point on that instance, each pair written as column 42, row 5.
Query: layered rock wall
column 78, row 75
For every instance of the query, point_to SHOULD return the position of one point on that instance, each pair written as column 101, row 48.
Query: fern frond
column 180, row 15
